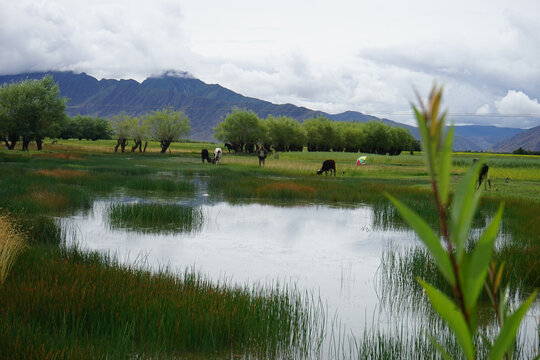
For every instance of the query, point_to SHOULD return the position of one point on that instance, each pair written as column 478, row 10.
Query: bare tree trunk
column 120, row 143
column 165, row 145
column 138, row 144
column 145, row 145
column 39, row 143
column 13, row 140
column 25, row 143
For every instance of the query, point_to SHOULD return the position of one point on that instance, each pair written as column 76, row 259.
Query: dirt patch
column 62, row 155
column 63, row 173
column 47, row 198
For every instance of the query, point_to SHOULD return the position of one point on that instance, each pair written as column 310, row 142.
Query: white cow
column 217, row 155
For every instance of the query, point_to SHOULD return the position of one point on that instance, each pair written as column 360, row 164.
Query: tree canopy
column 85, row 127
column 167, row 126
column 30, row 110
column 243, row 129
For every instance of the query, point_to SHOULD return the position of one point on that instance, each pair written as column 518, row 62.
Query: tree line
column 32, row 110
column 243, row 130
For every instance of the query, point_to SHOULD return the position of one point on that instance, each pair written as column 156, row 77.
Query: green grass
column 64, row 303
column 155, row 218
column 99, row 307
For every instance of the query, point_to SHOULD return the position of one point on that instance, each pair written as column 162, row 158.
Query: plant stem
column 458, row 292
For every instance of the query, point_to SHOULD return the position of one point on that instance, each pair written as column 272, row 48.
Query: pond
column 332, row 253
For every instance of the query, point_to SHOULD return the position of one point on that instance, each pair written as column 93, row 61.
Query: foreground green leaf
column 463, row 209
column 445, row 165
column 508, row 332
column 479, row 262
column 453, row 317
column 429, row 238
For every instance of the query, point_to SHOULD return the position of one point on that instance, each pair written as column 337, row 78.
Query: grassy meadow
column 64, row 303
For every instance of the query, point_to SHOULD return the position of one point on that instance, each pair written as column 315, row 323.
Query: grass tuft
column 12, row 243
column 155, row 218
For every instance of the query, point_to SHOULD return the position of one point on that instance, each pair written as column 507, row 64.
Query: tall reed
column 12, row 243
column 79, row 304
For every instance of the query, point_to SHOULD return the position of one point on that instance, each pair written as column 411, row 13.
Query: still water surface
column 333, row 253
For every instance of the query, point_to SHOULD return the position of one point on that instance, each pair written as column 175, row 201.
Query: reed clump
column 155, row 218
column 12, row 243
column 66, row 301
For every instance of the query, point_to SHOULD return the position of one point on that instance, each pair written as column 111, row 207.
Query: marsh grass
column 12, row 244
column 81, row 303
column 285, row 190
column 155, row 218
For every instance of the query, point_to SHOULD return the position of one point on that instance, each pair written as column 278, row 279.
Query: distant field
column 512, row 176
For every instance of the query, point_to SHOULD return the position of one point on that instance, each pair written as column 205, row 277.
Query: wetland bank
column 158, row 256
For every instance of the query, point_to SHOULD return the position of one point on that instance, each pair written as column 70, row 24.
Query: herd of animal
column 218, row 154
column 330, row 165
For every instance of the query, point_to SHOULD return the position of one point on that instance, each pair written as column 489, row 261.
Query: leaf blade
column 445, row 165
column 510, row 327
column 453, row 317
column 479, row 261
column 428, row 237
column 463, row 209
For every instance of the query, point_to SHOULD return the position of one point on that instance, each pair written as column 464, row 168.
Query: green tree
column 378, row 139
column 71, row 129
column 352, row 135
column 85, row 127
column 121, row 125
column 284, row 133
column 31, row 110
column 322, row 134
column 140, row 131
column 401, row 140
column 167, row 126
column 242, row 128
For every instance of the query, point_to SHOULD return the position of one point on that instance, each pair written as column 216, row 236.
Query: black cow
column 328, row 165
column 205, row 156
column 483, row 176
column 230, row 147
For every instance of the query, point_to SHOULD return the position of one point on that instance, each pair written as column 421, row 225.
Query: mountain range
column 208, row 104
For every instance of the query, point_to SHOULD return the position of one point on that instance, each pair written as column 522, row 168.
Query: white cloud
column 106, row 39
column 483, row 110
column 517, row 103
column 330, row 56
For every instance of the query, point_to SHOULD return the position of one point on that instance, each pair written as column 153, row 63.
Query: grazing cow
column 205, row 156
column 483, row 176
column 328, row 165
column 217, row 155
column 230, row 147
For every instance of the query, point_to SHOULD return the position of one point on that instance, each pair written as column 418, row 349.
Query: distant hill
column 527, row 139
column 208, row 104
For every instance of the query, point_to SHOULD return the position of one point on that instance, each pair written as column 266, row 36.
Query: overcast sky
column 334, row 56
